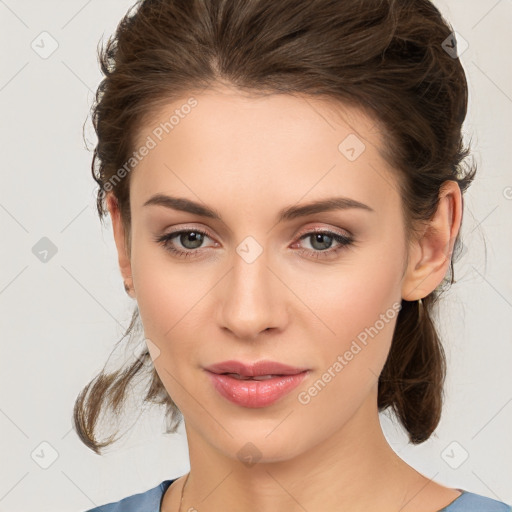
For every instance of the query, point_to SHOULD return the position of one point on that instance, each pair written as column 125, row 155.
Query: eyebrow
column 288, row 213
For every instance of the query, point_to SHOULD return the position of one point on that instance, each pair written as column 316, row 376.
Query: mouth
column 255, row 391
column 256, row 370
column 258, row 377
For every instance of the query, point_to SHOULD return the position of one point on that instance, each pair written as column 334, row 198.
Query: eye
column 323, row 240
column 192, row 239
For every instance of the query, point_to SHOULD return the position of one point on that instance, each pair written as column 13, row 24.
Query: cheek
column 172, row 304
column 356, row 307
column 164, row 292
column 361, row 307
column 166, row 300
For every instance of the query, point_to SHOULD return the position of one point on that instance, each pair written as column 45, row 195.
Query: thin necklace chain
column 183, row 490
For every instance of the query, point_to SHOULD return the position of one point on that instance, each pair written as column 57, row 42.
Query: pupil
column 195, row 237
column 320, row 237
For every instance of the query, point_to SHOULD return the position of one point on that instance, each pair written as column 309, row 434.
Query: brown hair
column 386, row 57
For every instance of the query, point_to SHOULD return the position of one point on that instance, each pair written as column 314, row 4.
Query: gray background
column 60, row 318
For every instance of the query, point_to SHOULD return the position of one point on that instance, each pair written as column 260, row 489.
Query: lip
column 253, row 369
column 255, row 393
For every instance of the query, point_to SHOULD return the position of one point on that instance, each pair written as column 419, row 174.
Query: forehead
column 230, row 109
column 270, row 144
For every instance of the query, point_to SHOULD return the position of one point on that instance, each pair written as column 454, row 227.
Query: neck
column 351, row 469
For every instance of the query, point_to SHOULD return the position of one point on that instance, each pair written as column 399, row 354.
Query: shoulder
column 472, row 502
column 147, row 501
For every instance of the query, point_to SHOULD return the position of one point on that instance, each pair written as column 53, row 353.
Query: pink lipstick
column 257, row 384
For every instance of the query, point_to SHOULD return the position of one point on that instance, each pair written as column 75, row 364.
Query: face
column 319, row 291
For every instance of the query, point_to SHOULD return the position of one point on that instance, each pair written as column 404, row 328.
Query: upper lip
column 254, row 369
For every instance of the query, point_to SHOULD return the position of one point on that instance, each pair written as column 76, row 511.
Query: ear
column 121, row 243
column 430, row 255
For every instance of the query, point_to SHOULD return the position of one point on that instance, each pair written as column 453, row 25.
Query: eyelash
column 344, row 241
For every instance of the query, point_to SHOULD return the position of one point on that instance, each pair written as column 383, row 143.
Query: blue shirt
column 150, row 501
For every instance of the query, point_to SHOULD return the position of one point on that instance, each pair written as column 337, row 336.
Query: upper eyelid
column 336, row 230
column 318, row 229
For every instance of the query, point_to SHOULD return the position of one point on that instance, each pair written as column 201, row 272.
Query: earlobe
column 121, row 245
column 430, row 256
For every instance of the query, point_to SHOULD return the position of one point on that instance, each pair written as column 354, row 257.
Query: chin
column 256, row 446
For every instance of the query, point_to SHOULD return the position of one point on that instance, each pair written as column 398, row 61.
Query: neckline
column 167, row 483
column 462, row 492
column 164, row 486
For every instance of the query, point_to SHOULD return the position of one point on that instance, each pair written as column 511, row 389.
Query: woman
column 285, row 185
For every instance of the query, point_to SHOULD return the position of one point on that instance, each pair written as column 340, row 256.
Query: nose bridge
column 252, row 299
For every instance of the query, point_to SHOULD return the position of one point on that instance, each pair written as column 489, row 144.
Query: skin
column 248, row 158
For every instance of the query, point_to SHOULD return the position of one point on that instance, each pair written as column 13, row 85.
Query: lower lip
column 255, row 393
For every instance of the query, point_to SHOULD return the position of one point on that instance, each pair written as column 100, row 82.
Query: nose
column 253, row 299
